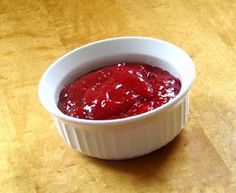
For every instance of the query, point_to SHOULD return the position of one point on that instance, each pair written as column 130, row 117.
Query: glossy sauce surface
column 118, row 91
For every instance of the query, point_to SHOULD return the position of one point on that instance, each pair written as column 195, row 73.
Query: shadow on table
column 146, row 166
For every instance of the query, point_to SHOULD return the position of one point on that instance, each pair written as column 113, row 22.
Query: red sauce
column 118, row 91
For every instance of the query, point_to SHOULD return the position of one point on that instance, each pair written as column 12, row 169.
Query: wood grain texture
column 34, row 159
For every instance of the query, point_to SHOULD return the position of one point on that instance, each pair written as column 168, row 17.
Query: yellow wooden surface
column 34, row 159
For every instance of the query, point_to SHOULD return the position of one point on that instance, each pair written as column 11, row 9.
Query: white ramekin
column 120, row 138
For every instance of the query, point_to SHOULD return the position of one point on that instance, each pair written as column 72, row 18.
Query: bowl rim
column 166, row 106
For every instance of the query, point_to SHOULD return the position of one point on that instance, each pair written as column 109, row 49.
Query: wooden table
column 34, row 159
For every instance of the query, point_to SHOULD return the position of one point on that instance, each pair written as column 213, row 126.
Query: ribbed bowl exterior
column 127, row 140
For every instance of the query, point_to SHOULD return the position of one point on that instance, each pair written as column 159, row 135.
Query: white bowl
column 128, row 137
